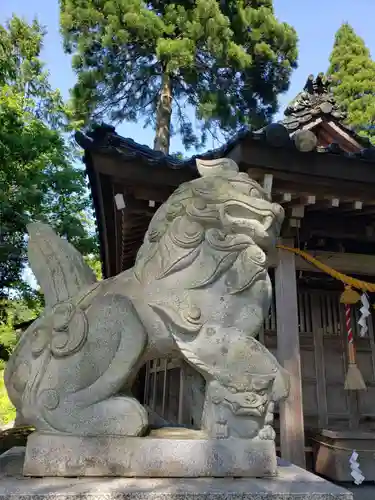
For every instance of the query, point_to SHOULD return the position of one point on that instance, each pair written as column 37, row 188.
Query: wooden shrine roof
column 105, row 140
column 323, row 174
column 316, row 109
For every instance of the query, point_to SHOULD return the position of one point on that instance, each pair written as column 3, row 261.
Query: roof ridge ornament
column 316, row 99
column 319, row 85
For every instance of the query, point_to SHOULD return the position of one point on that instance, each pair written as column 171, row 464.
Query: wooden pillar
column 318, row 339
column 292, row 435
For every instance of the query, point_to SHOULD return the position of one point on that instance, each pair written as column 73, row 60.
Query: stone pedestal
column 291, row 483
column 49, row 455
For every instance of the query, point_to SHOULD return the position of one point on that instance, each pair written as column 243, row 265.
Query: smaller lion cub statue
column 199, row 288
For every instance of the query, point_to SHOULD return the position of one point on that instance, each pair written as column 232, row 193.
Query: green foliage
column 226, row 60
column 95, row 264
column 13, row 313
column 353, row 80
column 8, row 341
column 7, row 410
column 37, row 177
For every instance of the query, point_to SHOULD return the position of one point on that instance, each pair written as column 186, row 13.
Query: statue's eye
column 254, row 193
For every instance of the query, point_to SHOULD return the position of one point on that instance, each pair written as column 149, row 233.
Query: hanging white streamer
column 365, row 313
column 356, row 472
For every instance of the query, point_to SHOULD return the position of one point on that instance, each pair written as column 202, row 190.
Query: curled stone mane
column 187, row 230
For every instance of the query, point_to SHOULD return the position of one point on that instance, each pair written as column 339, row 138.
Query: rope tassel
column 354, row 380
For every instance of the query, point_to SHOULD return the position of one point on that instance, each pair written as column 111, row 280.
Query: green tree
column 353, row 80
column 38, row 180
column 94, row 262
column 227, row 61
column 13, row 313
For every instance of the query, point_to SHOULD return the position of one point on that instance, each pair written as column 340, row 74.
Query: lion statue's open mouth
column 260, row 220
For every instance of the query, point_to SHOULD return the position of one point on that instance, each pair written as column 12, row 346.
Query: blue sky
column 316, row 22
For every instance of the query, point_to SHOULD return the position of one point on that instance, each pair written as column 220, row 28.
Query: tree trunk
column 163, row 116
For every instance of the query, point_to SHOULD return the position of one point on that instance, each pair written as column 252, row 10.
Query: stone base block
column 291, row 483
column 49, row 455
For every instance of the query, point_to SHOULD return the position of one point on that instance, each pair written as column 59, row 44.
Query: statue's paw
column 119, row 415
column 267, row 433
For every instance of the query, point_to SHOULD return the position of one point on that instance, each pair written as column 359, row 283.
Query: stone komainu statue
column 199, row 287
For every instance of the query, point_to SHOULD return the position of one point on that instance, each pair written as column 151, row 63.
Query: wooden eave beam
column 138, row 172
column 349, row 263
column 235, row 154
column 311, row 166
column 298, row 201
column 150, row 192
column 316, row 168
column 332, row 203
column 344, row 136
column 309, row 126
column 327, row 135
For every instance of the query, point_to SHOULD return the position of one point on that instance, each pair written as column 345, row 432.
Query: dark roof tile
column 104, row 138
